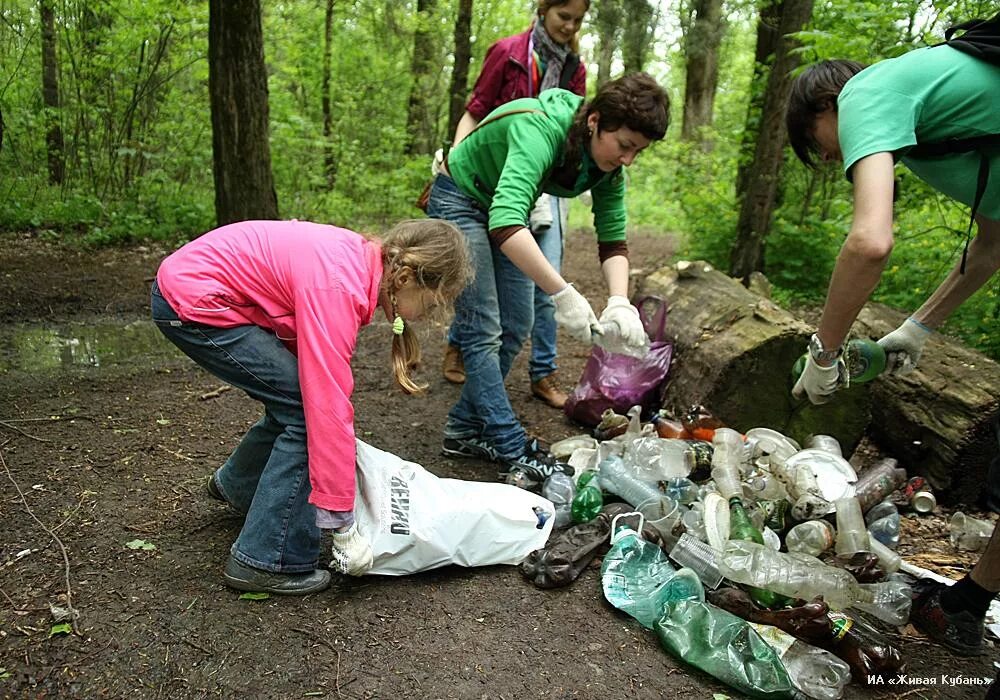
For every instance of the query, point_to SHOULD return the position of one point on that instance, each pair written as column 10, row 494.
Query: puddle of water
column 34, row 348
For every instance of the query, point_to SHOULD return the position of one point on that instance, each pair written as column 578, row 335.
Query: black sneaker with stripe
column 471, row 447
column 536, row 463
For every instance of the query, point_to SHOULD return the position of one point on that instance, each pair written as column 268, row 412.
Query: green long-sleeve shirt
column 506, row 163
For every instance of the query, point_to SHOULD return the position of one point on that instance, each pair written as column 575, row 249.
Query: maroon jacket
column 504, row 76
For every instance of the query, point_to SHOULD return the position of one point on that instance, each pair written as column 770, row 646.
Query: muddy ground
column 116, row 448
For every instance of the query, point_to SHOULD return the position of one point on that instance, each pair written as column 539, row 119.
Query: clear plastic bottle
column 615, row 478
column 812, row 537
column 815, row 672
column 560, row 489
column 793, row 575
column 682, row 490
column 656, row 459
column 883, row 523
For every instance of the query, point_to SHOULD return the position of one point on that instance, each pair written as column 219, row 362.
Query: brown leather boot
column 548, row 391
column 454, row 367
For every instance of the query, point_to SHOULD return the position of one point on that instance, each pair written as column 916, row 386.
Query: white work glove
column 904, row 345
column 573, row 313
column 819, row 383
column 620, row 312
column 352, row 554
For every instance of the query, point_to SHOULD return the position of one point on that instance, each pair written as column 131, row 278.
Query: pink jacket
column 504, row 76
column 314, row 286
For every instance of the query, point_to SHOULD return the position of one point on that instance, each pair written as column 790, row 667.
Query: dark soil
column 95, row 457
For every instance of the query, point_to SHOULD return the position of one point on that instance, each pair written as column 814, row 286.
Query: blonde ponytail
column 436, row 252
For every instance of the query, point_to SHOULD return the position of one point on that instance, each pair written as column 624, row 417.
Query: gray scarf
column 552, row 55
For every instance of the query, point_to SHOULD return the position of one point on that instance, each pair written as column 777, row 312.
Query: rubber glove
column 819, row 383
column 620, row 312
column 573, row 313
column 352, row 553
column 904, row 345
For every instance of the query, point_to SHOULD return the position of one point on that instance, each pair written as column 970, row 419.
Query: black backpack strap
column 568, row 70
column 982, row 180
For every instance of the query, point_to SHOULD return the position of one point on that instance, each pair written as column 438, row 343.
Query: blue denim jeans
column 493, row 317
column 542, row 362
column 267, row 475
column 543, row 333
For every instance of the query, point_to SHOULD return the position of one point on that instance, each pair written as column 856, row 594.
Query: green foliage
column 135, row 118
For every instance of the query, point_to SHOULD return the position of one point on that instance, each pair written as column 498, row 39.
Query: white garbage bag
column 416, row 521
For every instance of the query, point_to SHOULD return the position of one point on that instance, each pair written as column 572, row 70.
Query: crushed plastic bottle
column 560, row 489
column 802, row 576
column 637, row 578
column 615, row 478
column 815, row 672
column 724, row 646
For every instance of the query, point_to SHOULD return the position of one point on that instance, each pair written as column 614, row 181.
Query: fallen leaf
column 255, row 596
column 61, row 628
column 140, row 544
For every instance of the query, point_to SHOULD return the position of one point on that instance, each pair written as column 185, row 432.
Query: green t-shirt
column 926, row 95
column 504, row 164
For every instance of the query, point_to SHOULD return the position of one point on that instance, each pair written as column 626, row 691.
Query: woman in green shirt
column 563, row 146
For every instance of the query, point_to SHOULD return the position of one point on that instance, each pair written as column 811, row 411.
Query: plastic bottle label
column 778, row 640
column 840, row 625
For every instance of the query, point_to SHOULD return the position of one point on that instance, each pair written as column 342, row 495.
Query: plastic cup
column 851, row 533
column 698, row 556
column 662, row 513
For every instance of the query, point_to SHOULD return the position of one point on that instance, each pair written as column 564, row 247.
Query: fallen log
column 734, row 350
column 937, row 420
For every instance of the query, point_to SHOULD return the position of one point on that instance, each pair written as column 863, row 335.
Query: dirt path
column 102, row 456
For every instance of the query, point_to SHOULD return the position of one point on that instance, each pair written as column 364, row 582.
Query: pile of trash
column 753, row 559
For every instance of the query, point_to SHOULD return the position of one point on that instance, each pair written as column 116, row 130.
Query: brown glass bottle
column 865, row 649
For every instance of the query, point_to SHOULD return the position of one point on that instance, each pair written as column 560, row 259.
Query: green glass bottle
column 865, row 360
column 742, row 528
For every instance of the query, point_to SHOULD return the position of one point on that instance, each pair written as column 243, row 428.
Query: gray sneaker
column 246, row 578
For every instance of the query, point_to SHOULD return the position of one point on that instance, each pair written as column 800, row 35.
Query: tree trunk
column 460, row 73
column 419, row 124
column 937, row 420
column 702, row 50
column 50, row 95
column 637, row 36
column 237, row 86
column 329, row 160
column 608, row 22
column 734, row 351
column 767, row 42
column 757, row 203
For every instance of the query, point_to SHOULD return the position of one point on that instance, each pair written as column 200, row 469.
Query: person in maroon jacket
column 523, row 65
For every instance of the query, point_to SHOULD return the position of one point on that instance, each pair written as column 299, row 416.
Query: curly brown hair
column 635, row 101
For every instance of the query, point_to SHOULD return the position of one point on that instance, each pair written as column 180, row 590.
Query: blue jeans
column 542, row 362
column 267, row 475
column 543, row 333
column 493, row 317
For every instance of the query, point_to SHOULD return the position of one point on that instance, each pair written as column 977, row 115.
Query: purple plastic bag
column 619, row 381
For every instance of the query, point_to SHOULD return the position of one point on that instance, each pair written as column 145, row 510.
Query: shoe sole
column 248, row 586
column 484, row 456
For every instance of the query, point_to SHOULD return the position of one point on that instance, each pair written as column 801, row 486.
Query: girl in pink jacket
column 274, row 308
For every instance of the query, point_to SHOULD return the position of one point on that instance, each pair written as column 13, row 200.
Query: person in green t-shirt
column 869, row 118
column 561, row 145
